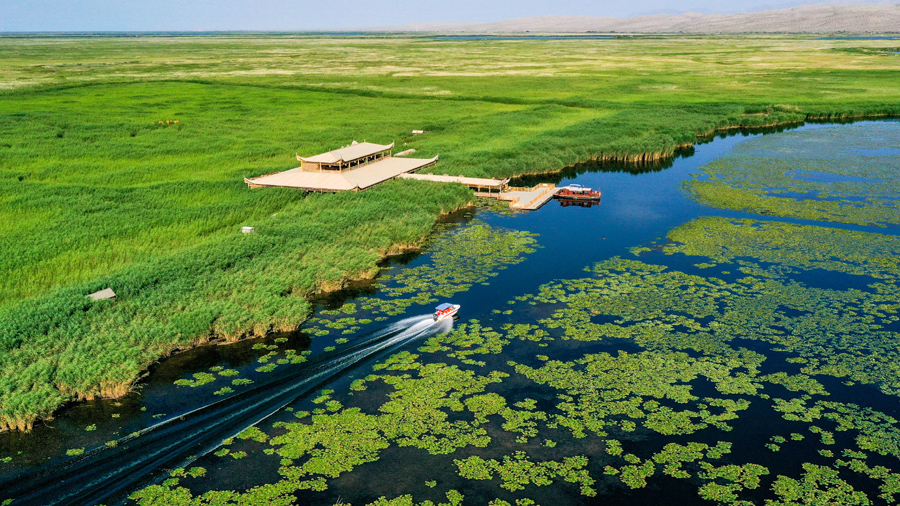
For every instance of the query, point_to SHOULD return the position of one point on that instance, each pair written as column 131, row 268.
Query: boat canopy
column 577, row 188
column 443, row 307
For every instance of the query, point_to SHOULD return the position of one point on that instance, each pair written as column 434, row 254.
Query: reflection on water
column 571, row 172
column 637, row 168
column 578, row 203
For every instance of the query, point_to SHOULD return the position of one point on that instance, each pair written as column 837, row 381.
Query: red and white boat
column 577, row 192
column 445, row 311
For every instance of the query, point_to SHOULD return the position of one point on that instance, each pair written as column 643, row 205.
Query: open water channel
column 484, row 259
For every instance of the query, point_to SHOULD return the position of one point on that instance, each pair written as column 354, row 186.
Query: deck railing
column 539, row 196
column 515, row 200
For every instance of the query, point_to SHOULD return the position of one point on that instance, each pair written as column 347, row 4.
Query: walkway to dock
column 518, row 198
column 475, row 183
column 524, row 198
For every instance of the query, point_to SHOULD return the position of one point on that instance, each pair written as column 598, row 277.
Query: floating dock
column 519, row 198
column 527, row 199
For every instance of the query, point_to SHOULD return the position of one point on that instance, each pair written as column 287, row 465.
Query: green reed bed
column 460, row 258
column 64, row 347
column 122, row 163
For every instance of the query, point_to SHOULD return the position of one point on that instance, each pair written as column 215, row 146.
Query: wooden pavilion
column 355, row 155
column 350, row 168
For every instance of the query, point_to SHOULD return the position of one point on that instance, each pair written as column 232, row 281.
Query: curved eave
column 313, row 159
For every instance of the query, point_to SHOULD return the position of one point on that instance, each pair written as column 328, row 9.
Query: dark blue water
column 812, row 176
column 523, row 37
column 862, row 37
column 879, row 152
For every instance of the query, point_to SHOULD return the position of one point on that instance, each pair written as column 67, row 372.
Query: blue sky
column 298, row 15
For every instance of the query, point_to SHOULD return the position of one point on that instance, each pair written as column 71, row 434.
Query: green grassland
column 101, row 187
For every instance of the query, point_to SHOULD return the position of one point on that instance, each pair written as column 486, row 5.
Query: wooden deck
column 527, row 199
column 355, row 179
column 476, row 183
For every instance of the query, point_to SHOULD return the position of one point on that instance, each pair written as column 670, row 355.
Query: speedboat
column 445, row 311
column 577, row 192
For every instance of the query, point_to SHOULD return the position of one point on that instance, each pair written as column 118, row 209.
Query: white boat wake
column 108, row 474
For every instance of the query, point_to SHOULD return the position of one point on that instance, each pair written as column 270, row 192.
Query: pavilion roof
column 349, row 153
column 357, row 178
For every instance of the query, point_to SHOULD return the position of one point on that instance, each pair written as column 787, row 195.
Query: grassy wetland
column 743, row 354
column 738, row 360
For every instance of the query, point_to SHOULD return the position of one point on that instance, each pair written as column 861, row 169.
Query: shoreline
column 662, row 156
column 119, row 390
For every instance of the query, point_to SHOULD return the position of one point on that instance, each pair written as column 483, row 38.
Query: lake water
column 827, row 177
column 729, row 293
column 863, row 37
column 524, row 37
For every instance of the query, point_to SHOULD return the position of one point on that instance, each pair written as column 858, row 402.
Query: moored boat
column 445, row 311
column 577, row 192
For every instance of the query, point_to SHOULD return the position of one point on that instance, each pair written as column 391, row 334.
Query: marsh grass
column 66, row 347
column 121, row 163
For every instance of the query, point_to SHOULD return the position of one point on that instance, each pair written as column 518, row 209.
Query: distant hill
column 807, row 19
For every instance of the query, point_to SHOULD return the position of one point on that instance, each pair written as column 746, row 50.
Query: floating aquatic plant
column 797, row 175
column 200, row 379
column 749, row 296
column 517, row 471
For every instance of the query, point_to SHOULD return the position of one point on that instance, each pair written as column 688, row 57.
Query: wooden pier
column 363, row 165
column 527, row 199
column 476, row 183
column 519, row 198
